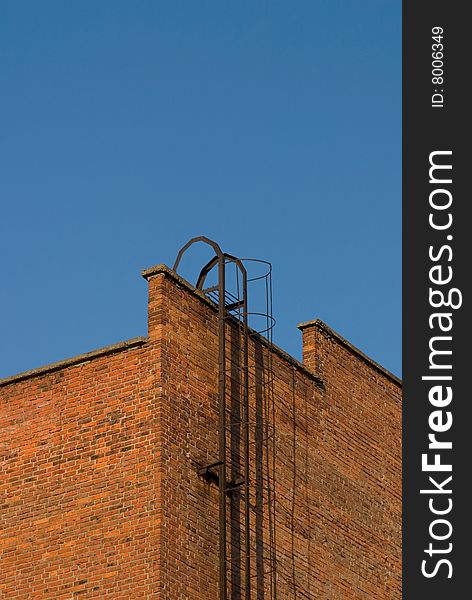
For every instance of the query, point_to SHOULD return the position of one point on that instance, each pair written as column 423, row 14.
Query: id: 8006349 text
column 437, row 67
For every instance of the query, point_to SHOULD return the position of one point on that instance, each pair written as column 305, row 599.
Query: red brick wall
column 359, row 472
column 337, row 464
column 101, row 493
column 79, row 517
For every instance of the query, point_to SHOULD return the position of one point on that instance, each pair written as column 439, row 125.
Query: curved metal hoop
column 219, row 255
column 201, row 238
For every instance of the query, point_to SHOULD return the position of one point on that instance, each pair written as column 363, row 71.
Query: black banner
column 436, row 267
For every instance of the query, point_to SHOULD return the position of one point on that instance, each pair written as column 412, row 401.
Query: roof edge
column 164, row 269
column 80, row 358
column 326, row 329
column 138, row 341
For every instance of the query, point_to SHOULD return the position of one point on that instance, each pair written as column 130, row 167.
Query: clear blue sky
column 127, row 128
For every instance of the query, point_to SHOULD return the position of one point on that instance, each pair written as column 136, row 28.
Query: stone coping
column 75, row 360
column 327, row 331
column 158, row 269
column 138, row 341
column 318, row 323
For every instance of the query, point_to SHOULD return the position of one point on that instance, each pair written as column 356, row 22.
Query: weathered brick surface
column 79, row 516
column 101, row 496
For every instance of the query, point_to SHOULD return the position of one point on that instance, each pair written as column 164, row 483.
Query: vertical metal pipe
column 247, row 474
column 222, row 425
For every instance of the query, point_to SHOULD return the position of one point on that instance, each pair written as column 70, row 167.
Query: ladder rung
column 210, row 289
column 234, row 305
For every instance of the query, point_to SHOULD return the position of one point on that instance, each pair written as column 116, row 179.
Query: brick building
column 110, row 476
